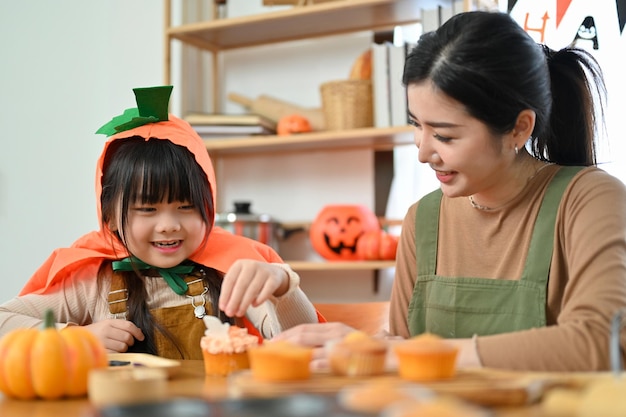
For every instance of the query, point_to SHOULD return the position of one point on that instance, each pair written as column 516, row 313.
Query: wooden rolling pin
column 273, row 109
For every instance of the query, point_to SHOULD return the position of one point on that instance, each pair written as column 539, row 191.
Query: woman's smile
column 445, row 176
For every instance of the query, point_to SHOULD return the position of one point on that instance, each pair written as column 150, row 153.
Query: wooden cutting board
column 481, row 386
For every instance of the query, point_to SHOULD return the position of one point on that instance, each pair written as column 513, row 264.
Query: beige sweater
column 587, row 281
column 85, row 302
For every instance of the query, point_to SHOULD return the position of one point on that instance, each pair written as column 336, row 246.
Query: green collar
column 170, row 275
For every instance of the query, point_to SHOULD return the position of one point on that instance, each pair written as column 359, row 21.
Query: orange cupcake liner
column 223, row 364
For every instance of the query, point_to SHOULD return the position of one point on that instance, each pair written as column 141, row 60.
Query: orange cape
column 220, row 251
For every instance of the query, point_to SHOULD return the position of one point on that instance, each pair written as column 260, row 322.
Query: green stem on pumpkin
column 48, row 319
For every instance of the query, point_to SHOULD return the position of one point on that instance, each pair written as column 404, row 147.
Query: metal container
column 243, row 222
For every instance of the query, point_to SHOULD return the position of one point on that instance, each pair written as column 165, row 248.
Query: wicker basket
column 347, row 104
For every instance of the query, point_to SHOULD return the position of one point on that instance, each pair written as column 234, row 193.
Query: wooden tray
column 480, row 386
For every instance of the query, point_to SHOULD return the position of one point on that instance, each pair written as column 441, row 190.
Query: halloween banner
column 597, row 27
column 541, row 15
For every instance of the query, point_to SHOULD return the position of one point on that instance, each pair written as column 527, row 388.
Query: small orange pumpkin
column 377, row 245
column 337, row 228
column 293, row 123
column 49, row 363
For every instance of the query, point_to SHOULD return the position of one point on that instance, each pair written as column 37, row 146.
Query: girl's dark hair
column 150, row 171
column 486, row 61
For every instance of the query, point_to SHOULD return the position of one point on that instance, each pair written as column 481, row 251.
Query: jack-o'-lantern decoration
column 336, row 229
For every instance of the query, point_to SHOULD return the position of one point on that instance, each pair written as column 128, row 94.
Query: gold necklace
column 478, row 206
column 485, row 208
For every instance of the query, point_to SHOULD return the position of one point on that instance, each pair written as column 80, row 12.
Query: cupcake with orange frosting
column 357, row 354
column 280, row 361
column 426, row 357
column 225, row 347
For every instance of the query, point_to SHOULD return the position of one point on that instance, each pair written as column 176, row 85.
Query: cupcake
column 225, row 347
column 280, row 361
column 426, row 357
column 357, row 354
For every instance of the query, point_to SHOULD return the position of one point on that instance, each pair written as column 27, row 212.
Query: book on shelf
column 221, row 119
column 388, row 93
column 397, row 92
column 433, row 18
column 380, row 85
column 213, row 125
column 216, row 131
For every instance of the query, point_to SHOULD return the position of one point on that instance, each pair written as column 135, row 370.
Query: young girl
column 157, row 265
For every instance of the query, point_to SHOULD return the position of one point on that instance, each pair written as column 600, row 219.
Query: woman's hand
column 315, row 335
column 117, row 335
column 250, row 283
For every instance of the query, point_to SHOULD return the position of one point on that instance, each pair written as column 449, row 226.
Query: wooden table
column 189, row 381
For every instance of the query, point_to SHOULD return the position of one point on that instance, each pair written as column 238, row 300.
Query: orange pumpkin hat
column 150, row 121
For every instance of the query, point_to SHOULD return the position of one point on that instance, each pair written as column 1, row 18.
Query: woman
column 520, row 257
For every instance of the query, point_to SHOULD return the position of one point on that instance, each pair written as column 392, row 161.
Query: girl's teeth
column 165, row 244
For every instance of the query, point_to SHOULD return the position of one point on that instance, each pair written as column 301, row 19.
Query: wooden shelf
column 304, row 22
column 293, row 24
column 340, row 265
column 368, row 138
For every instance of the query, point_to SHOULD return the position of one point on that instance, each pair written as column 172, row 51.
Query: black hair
column 137, row 170
column 488, row 63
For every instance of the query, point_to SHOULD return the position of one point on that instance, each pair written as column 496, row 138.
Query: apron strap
column 118, row 293
column 537, row 266
column 427, row 228
column 118, row 296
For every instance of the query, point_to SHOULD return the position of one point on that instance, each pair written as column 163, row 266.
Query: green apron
column 460, row 307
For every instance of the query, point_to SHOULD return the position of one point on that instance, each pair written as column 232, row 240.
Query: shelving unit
column 324, row 19
column 371, row 138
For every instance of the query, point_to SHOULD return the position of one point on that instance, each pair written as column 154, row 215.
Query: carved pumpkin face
column 337, row 228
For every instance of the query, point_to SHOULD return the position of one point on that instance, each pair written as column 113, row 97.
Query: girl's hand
column 250, row 283
column 116, row 334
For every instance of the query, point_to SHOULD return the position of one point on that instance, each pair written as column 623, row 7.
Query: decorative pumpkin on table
column 49, row 363
column 337, row 228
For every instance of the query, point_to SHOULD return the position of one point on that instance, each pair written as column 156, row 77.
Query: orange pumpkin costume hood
column 222, row 247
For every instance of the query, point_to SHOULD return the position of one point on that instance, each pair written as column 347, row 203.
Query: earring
column 516, row 150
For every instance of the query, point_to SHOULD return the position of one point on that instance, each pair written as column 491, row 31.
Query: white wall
column 67, row 68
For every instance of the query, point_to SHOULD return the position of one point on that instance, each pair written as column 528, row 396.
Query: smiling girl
column 158, row 264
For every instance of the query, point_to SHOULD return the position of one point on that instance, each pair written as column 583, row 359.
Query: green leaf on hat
column 152, row 107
